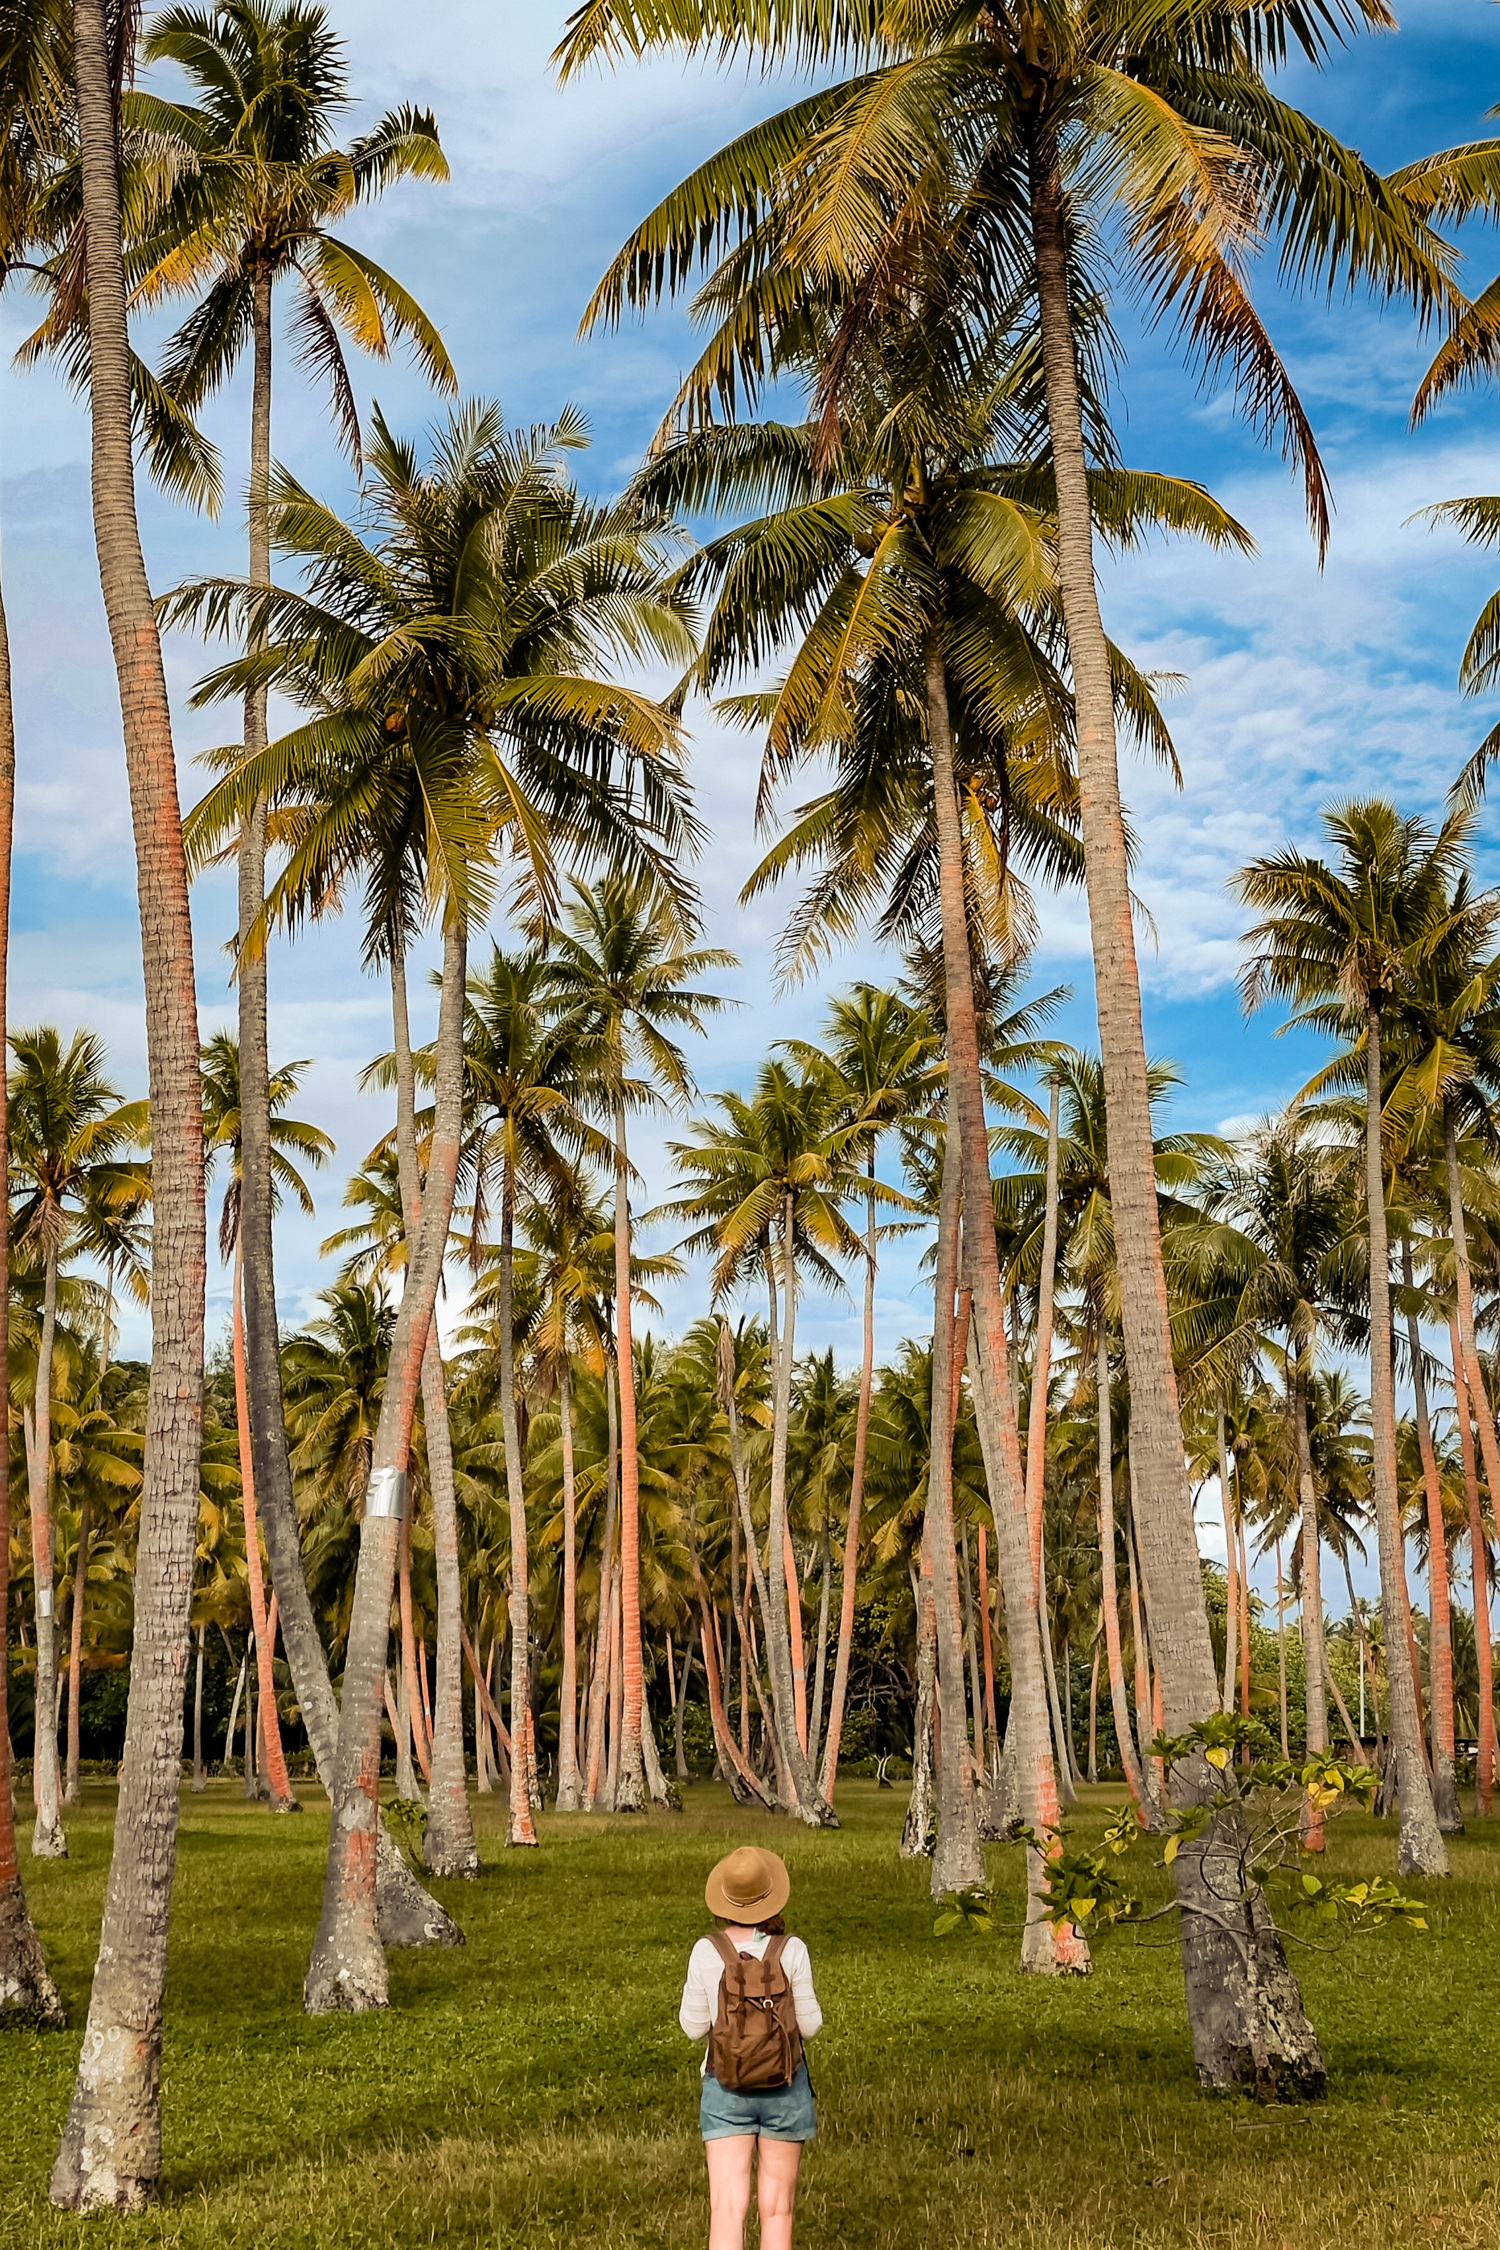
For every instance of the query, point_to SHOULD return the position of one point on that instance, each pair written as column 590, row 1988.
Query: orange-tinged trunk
column 274, row 1767
column 1484, row 1764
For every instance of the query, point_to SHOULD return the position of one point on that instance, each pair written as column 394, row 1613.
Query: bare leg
column 729, row 2190
column 778, row 2193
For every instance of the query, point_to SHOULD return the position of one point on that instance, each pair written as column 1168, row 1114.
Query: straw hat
column 749, row 1886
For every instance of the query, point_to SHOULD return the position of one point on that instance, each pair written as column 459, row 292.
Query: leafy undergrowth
column 533, row 2089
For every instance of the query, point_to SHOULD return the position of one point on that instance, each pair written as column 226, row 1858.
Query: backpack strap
column 775, row 1950
column 727, row 1953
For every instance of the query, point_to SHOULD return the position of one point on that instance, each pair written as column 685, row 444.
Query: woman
column 746, row 1893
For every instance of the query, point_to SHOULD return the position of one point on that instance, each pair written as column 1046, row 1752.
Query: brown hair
column 769, row 1925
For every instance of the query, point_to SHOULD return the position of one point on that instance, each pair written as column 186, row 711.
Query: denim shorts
column 780, row 2113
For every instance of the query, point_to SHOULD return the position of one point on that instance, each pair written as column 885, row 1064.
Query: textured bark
column 1119, row 1701
column 47, row 1838
column 347, row 1969
column 1420, row 1850
column 521, row 1828
column 1484, row 1763
column 679, row 1713
column 1314, row 1653
column 1440, row 1624
column 200, row 1782
column 744, row 1783
column 1061, row 1743
column 1235, row 2004
column 1093, row 1765
column 567, row 1733
column 599, row 1688
column 1044, row 1949
column 1231, row 1573
column 273, row 1762
column 850, row 1567
column 448, row 1846
column 630, row 1788
column 28, row 1997
column 820, row 1655
column 799, row 1653
column 922, row 1803
column 971, row 1646
column 110, row 2152
column 957, row 1862
column 75, row 1648
column 1479, row 1402
column 1041, row 1373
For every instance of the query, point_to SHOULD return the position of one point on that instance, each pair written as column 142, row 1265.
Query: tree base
column 29, row 2000
column 1250, row 2031
column 346, row 1976
column 457, row 1862
column 405, row 1914
column 286, row 1804
column 48, row 1841
column 1047, row 1951
column 110, row 2152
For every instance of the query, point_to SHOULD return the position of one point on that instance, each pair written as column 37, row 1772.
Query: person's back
column 749, row 1994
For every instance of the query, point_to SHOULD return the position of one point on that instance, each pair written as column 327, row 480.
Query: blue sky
column 1302, row 686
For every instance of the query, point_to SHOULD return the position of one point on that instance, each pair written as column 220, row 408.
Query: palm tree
column 765, row 1183
column 1006, row 144
column 110, row 2148
column 1339, row 942
column 258, row 183
column 882, row 1056
column 624, row 975
column 223, row 1126
column 1286, row 1198
column 525, row 1092
column 68, row 1133
column 452, row 665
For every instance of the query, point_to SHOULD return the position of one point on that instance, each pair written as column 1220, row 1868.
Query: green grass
column 533, row 2089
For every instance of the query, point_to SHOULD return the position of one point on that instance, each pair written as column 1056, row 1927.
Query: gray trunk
column 957, row 1862
column 47, row 1839
column 520, row 1829
column 448, row 1846
column 567, row 1733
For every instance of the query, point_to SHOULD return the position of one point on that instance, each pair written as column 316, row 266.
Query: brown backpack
column 754, row 2044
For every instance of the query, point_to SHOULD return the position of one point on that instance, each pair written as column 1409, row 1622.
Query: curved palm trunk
column 28, row 1997
column 957, row 1862
column 850, row 1568
column 47, row 1838
column 1484, row 1764
column 1421, row 1850
column 522, row 1828
column 820, row 1650
column 273, row 1765
column 448, row 1846
column 630, row 1793
column 111, row 2144
column 75, row 1648
column 1440, row 1625
column 1248, row 2024
column 1314, row 1650
column 1484, row 1420
column 567, row 1730
column 1044, row 1949
column 347, row 1969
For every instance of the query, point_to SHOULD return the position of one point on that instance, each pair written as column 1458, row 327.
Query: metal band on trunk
column 385, row 1494
column 44, row 1601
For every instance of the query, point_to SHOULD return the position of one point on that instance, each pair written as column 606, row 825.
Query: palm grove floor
column 534, row 2090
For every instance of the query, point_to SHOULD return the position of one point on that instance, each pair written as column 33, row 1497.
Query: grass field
column 533, row 2089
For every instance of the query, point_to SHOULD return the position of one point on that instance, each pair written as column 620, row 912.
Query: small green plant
column 406, row 1821
column 1250, row 1816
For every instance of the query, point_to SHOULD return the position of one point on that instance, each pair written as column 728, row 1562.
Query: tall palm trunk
column 28, row 1997
column 1421, row 1850
column 820, row 1653
column 1479, row 1403
column 47, row 1838
column 849, row 1586
column 1314, row 1649
column 448, row 1846
column 1286, row 1747
column 567, row 1733
column 521, row 1830
column 75, row 1648
column 1231, row 1573
column 957, row 1862
column 347, row 1969
column 1044, row 1948
column 200, row 1779
column 110, row 2151
column 778, row 1589
column 1484, row 1764
column 1243, row 2026
column 279, row 1787
column 917, row 1828
column 599, row 1689
column 1041, row 1372
column 1440, row 1623
column 631, row 1785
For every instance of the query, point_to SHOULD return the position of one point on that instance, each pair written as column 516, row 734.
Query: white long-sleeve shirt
column 705, row 1973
